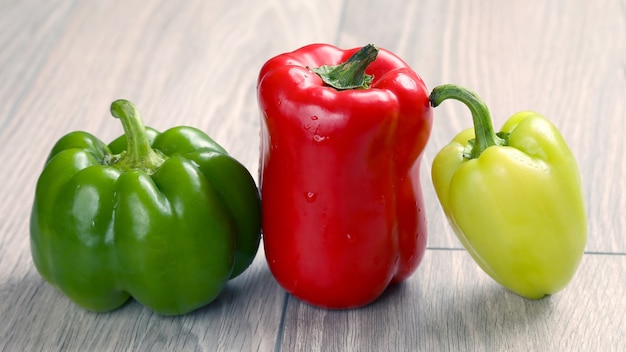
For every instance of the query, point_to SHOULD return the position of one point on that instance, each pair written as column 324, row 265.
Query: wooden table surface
column 62, row 62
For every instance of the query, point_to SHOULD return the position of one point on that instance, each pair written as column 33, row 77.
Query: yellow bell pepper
column 514, row 199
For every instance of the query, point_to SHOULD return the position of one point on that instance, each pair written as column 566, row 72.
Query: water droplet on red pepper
column 319, row 138
column 310, row 197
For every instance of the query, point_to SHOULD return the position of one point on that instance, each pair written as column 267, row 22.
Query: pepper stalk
column 483, row 127
column 350, row 74
column 139, row 155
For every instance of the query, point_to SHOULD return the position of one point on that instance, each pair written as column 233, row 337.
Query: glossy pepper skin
column 514, row 199
column 343, row 214
column 167, row 218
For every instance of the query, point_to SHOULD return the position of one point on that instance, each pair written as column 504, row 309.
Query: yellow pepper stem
column 483, row 128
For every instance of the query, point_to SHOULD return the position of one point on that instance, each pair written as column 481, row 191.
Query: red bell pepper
column 342, row 135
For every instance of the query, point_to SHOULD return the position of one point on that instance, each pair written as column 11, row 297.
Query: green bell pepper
column 167, row 218
column 514, row 199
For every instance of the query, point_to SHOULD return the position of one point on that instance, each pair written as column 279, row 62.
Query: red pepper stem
column 483, row 128
column 139, row 154
column 350, row 74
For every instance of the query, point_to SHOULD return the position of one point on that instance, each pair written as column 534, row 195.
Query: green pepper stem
column 139, row 154
column 350, row 74
column 483, row 128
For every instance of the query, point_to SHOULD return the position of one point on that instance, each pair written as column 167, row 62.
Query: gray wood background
column 195, row 62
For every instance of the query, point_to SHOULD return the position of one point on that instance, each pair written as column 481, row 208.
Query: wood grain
column 196, row 63
column 244, row 317
column 450, row 305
